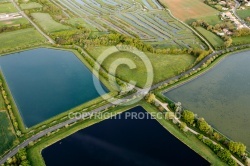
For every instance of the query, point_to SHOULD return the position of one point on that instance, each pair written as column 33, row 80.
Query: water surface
column 221, row 96
column 46, row 82
column 122, row 142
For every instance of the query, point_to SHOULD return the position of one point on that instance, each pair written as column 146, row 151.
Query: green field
column 7, row 137
column 241, row 40
column 212, row 20
column 9, row 23
column 47, row 23
column 244, row 13
column 7, row 8
column 20, row 38
column 79, row 21
column 215, row 40
column 165, row 66
column 30, row 5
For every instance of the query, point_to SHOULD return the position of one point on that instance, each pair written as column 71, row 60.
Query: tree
column 18, row 133
column 183, row 126
column 228, row 42
column 188, row 117
column 169, row 115
column 150, row 98
column 217, row 136
column 237, row 147
column 204, row 126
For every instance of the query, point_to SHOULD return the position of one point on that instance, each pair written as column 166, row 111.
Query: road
column 37, row 28
column 234, row 10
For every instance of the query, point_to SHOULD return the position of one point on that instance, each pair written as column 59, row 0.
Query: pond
column 46, row 82
column 221, row 96
column 122, row 141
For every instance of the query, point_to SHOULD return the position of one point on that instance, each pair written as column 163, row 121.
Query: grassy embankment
column 164, row 65
column 187, row 138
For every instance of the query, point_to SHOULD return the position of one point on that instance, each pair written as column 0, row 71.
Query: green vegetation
column 14, row 22
column 7, row 8
column 244, row 13
column 222, row 153
column 30, row 5
column 164, row 65
column 19, row 159
column 11, row 41
column 7, row 136
column 188, row 117
column 211, row 37
column 47, row 23
column 156, row 27
column 80, row 22
column 212, row 20
column 241, row 40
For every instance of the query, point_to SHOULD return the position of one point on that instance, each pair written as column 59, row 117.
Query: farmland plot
column 145, row 19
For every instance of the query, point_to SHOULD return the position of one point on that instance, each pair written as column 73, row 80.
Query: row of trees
column 222, row 153
column 192, row 120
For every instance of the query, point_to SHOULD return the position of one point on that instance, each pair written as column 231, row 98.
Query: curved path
column 37, row 28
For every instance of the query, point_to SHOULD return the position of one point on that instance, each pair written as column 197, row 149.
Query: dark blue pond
column 122, row 142
column 46, row 82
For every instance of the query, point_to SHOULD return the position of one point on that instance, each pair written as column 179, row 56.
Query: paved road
column 38, row 29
